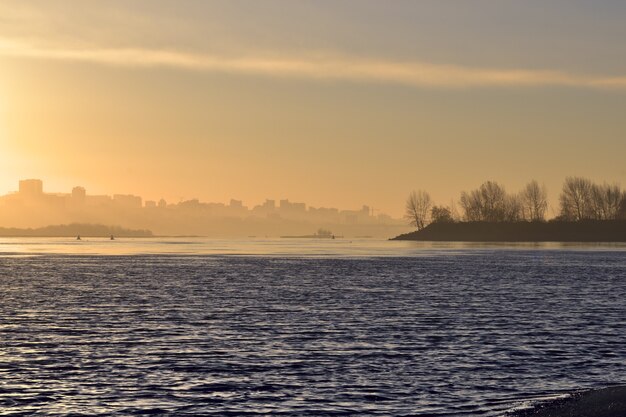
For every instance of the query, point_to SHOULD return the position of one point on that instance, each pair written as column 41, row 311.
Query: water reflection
column 271, row 247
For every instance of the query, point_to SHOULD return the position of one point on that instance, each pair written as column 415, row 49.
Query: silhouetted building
column 127, row 200
column 31, row 188
column 236, row 203
column 78, row 197
column 79, row 193
column 266, row 209
column 98, row 200
column 32, row 207
column 287, row 206
column 324, row 214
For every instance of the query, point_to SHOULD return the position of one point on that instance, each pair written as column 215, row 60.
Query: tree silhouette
column 441, row 214
column 490, row 203
column 575, row 199
column 605, row 201
column 534, row 201
column 418, row 208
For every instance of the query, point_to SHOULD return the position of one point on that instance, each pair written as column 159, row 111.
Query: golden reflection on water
column 21, row 247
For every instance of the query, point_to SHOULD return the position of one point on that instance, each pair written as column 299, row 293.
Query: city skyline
column 314, row 100
column 32, row 206
column 34, row 187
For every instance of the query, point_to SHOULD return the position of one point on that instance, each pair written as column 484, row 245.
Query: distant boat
column 320, row 234
column 112, row 237
column 78, row 237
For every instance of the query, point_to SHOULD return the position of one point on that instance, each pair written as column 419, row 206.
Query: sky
column 335, row 103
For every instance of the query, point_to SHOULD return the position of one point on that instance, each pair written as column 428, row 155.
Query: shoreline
column 588, row 231
column 603, row 402
column 93, row 230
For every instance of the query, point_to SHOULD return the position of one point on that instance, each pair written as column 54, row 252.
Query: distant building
column 269, row 205
column 236, row 203
column 78, row 197
column 266, row 209
column 98, row 200
column 30, row 206
column 79, row 193
column 127, row 201
column 287, row 206
column 194, row 204
column 31, row 188
column 324, row 214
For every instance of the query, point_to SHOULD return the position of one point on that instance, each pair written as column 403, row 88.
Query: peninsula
column 588, row 212
column 551, row 231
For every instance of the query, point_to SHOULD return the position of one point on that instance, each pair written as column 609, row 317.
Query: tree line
column 580, row 199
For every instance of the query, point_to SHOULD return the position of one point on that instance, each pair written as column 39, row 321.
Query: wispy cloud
column 336, row 67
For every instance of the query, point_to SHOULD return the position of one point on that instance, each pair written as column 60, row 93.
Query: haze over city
column 314, row 101
column 32, row 206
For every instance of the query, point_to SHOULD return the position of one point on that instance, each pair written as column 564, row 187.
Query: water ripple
column 430, row 336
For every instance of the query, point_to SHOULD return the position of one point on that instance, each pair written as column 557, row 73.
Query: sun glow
column 5, row 152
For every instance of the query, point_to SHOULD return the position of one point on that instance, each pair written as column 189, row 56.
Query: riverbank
column 607, row 402
column 553, row 231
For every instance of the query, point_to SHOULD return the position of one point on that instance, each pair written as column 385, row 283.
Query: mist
column 31, row 207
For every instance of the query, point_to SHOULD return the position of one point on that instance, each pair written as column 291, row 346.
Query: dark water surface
column 474, row 332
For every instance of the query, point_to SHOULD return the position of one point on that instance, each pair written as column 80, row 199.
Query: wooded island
column 588, row 212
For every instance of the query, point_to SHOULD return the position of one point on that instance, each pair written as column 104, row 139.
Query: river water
column 187, row 327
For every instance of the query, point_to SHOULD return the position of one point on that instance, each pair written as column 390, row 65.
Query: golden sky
column 336, row 103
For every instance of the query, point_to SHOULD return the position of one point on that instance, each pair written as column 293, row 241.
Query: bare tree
column 512, row 208
column 614, row 196
column 495, row 201
column 621, row 213
column 441, row 214
column 576, row 199
column 454, row 212
column 418, row 208
column 534, row 202
column 605, row 201
column 489, row 203
column 472, row 206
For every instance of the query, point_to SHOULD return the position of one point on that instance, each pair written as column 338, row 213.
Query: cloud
column 334, row 67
